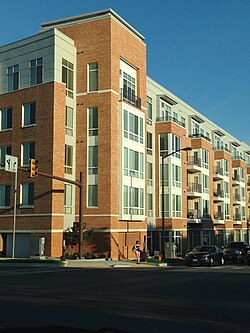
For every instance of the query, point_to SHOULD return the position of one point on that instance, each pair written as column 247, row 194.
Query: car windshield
column 203, row 249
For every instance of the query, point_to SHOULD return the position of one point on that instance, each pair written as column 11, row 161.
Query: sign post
column 11, row 165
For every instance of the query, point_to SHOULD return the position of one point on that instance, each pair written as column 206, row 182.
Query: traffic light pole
column 80, row 186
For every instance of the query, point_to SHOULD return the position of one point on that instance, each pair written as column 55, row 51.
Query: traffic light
column 33, row 168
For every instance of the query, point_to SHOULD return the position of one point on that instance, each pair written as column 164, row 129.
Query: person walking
column 137, row 250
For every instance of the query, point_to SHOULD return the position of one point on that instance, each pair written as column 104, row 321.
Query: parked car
column 235, row 251
column 248, row 257
column 205, row 255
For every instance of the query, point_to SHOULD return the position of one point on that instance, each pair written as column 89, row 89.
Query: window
column 68, row 77
column 93, row 77
column 93, row 121
column 68, row 159
column 125, row 199
column 29, row 114
column 6, row 119
column 227, row 211
column 133, row 126
column 3, row 151
column 69, row 121
column 176, row 145
column 4, row 196
column 165, row 111
column 134, row 161
column 150, row 173
column 13, row 77
column 36, row 71
column 205, row 184
column 129, row 87
column 176, row 205
column 93, row 160
column 226, row 190
column 166, row 205
column 206, row 210
column 176, row 175
column 165, row 173
column 68, row 195
column 164, row 143
column 149, row 143
column 149, row 108
column 150, row 205
column 205, row 158
column 92, row 195
column 27, row 194
column 28, row 152
column 226, row 167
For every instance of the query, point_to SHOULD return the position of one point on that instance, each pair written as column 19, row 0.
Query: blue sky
column 197, row 49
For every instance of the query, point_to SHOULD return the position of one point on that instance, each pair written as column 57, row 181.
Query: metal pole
column 14, row 218
column 162, row 207
column 80, row 254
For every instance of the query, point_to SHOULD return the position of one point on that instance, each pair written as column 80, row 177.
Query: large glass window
column 149, row 143
column 176, row 205
column 28, row 152
column 92, row 195
column 150, row 173
column 69, row 121
column 3, row 151
column 149, row 108
column 93, row 77
column 4, row 196
column 68, row 76
column 128, row 87
column 93, row 121
column 36, row 71
column 6, row 119
column 150, row 205
column 164, row 143
column 93, row 160
column 176, row 175
column 27, row 194
column 176, row 145
column 166, row 205
column 68, row 196
column 133, row 126
column 68, row 159
column 205, row 158
column 29, row 114
column 13, row 77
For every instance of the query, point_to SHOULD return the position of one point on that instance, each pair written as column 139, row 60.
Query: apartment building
column 206, row 190
column 76, row 97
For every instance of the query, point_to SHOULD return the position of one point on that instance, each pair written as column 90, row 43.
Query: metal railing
column 129, row 97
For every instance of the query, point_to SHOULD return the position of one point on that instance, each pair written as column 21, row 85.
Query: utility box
column 170, row 250
column 38, row 245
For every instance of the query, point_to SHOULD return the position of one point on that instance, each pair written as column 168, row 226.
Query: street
column 173, row 299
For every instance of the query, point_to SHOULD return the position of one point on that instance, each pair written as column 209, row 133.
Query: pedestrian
column 137, row 250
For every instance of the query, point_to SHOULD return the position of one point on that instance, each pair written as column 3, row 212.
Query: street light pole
column 163, row 156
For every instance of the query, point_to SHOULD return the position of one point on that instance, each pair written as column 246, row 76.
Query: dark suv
column 235, row 251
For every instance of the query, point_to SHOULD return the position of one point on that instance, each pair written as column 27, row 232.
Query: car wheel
column 222, row 261
column 211, row 262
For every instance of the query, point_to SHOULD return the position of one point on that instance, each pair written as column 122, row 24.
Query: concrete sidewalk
column 102, row 263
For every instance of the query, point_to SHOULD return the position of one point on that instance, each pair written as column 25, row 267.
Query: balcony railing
column 219, row 193
column 236, row 197
column 219, row 216
column 129, row 97
column 221, row 148
column 194, row 187
column 170, row 118
column 199, row 135
column 192, row 160
column 194, row 214
column 218, row 170
column 237, row 217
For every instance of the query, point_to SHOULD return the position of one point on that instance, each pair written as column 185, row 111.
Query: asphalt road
column 155, row 300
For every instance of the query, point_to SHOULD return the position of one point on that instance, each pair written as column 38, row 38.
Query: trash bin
column 143, row 256
column 170, row 250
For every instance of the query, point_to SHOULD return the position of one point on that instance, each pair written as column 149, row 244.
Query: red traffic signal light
column 33, row 168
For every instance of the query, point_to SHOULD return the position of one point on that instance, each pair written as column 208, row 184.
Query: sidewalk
column 102, row 263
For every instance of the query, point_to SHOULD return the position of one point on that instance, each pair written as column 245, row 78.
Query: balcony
column 128, row 96
column 236, row 199
column 218, row 173
column 194, row 190
column 194, row 217
column 170, row 118
column 236, row 180
column 219, row 218
column 218, row 195
column 193, row 164
column 237, row 219
column 199, row 136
